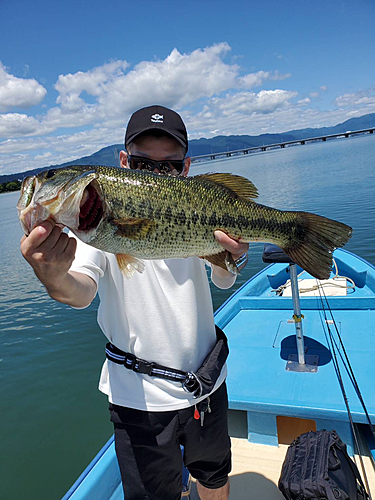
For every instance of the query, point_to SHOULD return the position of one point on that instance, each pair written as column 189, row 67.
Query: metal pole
column 297, row 314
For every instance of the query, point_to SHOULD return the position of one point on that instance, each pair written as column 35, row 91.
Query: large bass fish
column 140, row 215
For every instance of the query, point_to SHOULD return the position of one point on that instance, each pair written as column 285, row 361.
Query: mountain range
column 108, row 156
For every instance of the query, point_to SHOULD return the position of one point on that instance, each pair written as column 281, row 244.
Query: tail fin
column 320, row 237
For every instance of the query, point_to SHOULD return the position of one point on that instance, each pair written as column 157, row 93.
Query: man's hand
column 234, row 247
column 50, row 253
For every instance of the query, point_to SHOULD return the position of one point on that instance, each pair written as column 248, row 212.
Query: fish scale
column 177, row 213
column 141, row 215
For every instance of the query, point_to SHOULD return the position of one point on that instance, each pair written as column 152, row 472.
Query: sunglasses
column 164, row 167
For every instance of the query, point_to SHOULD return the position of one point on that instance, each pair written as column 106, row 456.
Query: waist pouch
column 199, row 383
column 317, row 466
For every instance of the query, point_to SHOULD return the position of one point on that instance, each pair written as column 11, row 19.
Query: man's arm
column 50, row 252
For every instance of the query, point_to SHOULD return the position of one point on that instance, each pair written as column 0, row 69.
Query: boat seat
column 273, row 253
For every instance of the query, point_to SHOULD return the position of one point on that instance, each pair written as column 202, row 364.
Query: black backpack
column 318, row 467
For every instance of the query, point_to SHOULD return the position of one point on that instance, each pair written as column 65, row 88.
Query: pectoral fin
column 129, row 265
column 133, row 228
column 224, row 260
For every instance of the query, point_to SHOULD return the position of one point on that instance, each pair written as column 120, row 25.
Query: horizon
column 354, row 132
column 273, row 69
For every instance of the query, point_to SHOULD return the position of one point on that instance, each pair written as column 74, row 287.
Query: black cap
column 159, row 118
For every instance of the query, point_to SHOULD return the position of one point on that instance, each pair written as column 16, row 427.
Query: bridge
column 323, row 138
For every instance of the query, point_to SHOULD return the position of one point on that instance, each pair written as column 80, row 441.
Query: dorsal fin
column 236, row 184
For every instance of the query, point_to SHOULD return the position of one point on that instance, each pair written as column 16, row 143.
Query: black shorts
column 148, row 448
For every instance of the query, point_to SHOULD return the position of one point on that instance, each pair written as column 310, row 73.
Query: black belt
column 199, row 383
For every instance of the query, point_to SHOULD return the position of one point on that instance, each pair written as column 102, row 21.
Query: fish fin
column 129, row 265
column 237, row 185
column 320, row 236
column 133, row 228
column 224, row 260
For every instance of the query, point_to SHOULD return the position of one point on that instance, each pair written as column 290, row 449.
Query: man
column 164, row 316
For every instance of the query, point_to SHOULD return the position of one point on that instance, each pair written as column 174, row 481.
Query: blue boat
column 301, row 358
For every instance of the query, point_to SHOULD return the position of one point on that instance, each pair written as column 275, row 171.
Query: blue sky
column 71, row 73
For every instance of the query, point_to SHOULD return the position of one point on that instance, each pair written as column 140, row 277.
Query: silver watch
column 241, row 260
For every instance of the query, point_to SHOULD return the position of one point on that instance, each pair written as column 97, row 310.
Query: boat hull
column 275, row 405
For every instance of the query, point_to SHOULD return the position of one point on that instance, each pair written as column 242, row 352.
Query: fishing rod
column 347, row 365
column 341, row 382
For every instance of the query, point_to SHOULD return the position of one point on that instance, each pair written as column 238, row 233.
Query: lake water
column 53, row 420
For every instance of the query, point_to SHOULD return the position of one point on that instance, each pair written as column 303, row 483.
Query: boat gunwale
column 86, row 472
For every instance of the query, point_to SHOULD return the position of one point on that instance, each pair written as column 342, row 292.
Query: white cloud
column 363, row 98
column 43, row 156
column 18, row 92
column 39, row 152
column 91, row 81
column 74, row 113
column 248, row 103
column 240, row 113
column 212, row 92
column 177, row 81
column 257, row 79
column 304, row 101
column 11, row 146
column 17, row 125
column 323, row 88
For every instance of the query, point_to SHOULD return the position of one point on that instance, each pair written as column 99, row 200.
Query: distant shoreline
column 15, row 185
column 9, row 187
column 224, row 145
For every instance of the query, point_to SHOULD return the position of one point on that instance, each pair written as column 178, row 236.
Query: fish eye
column 50, row 173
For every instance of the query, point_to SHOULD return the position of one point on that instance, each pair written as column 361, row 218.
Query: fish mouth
column 91, row 210
column 26, row 215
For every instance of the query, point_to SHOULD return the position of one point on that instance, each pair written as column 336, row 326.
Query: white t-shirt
column 163, row 315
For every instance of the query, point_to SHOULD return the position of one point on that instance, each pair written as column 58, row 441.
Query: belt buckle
column 129, row 357
column 145, row 367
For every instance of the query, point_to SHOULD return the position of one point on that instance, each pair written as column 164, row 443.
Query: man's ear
column 124, row 159
column 186, row 167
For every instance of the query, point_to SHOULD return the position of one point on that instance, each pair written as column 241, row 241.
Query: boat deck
column 256, row 471
column 262, row 336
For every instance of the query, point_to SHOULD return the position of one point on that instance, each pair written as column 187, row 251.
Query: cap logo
column 156, row 118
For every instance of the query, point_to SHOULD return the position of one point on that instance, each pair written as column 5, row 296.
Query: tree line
column 5, row 187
